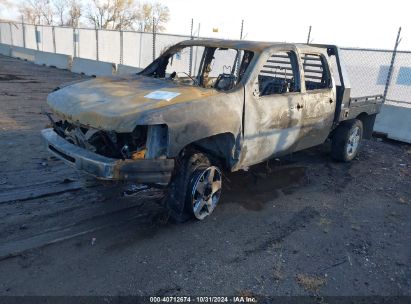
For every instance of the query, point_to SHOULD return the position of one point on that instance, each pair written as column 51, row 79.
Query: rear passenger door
column 319, row 99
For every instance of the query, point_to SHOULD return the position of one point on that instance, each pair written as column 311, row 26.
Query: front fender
column 192, row 121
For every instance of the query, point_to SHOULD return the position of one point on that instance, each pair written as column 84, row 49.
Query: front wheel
column 205, row 188
column 346, row 140
column 195, row 189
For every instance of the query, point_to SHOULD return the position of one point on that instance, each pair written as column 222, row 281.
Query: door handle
column 331, row 100
column 299, row 106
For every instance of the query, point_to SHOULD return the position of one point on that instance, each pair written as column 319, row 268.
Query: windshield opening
column 207, row 67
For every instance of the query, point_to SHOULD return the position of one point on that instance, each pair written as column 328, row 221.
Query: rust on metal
column 247, row 102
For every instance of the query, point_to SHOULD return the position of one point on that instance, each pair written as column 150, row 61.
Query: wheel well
column 368, row 124
column 219, row 146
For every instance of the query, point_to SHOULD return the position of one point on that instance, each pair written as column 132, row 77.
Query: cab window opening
column 218, row 68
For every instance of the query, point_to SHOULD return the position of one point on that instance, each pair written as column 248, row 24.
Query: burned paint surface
column 115, row 103
column 119, row 104
column 257, row 127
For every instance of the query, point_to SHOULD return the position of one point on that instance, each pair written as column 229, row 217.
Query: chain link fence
column 368, row 68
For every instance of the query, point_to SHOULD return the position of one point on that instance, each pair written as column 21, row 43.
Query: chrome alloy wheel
column 353, row 141
column 206, row 192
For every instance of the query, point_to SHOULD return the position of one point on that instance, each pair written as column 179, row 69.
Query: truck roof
column 256, row 46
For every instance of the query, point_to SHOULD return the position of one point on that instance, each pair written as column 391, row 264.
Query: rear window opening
column 211, row 67
column 316, row 72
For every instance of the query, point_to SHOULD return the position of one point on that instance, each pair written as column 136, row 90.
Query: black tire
column 341, row 143
column 178, row 196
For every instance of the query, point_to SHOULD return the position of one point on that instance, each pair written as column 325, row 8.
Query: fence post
column 391, row 68
column 23, row 28
column 53, row 32
column 97, row 56
column 190, row 64
column 139, row 54
column 37, row 37
column 238, row 56
column 196, row 55
column 121, row 47
column 74, row 43
column 154, row 39
column 78, row 43
column 11, row 34
column 309, row 35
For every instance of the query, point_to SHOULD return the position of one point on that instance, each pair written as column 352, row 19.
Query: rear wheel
column 195, row 189
column 346, row 140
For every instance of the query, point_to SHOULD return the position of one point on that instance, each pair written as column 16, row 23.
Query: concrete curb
column 23, row 53
column 5, row 49
column 127, row 69
column 394, row 121
column 92, row 67
column 60, row 61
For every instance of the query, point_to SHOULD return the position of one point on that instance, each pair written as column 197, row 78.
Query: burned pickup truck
column 243, row 103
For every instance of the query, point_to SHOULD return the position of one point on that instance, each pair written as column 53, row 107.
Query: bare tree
column 127, row 14
column 103, row 14
column 60, row 8
column 46, row 11
column 97, row 13
column 112, row 14
column 37, row 11
column 67, row 13
column 153, row 14
column 29, row 13
column 74, row 13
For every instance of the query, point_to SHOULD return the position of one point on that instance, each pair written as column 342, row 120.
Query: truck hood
column 110, row 102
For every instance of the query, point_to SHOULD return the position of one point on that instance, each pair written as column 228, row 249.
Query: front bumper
column 148, row 171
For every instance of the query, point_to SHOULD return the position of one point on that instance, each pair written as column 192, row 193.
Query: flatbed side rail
column 366, row 99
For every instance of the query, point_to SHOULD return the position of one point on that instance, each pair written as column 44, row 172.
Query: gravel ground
column 299, row 225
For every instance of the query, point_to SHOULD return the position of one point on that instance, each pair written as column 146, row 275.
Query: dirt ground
column 299, row 225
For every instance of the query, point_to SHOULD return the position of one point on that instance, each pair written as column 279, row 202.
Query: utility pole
column 391, row 68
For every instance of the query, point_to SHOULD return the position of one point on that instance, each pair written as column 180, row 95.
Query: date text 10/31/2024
column 182, row 299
